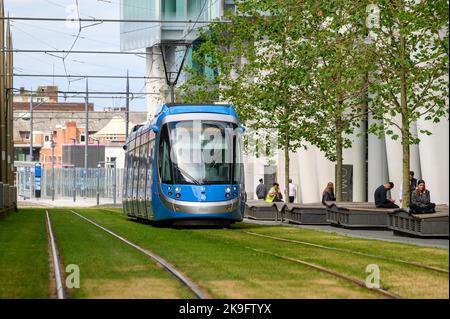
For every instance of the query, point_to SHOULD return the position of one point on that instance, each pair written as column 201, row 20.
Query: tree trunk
column 286, row 165
column 339, row 159
column 405, row 125
column 286, row 173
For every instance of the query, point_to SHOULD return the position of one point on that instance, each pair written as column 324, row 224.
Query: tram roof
column 179, row 108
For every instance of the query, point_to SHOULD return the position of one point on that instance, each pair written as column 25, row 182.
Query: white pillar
column 356, row 156
column 155, row 86
column 414, row 155
column 309, row 187
column 377, row 169
column 434, row 158
column 325, row 172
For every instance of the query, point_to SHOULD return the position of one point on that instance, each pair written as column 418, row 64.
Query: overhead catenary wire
column 84, row 92
column 83, row 76
column 112, row 20
column 65, row 52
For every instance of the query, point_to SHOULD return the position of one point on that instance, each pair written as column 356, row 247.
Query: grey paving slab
column 384, row 235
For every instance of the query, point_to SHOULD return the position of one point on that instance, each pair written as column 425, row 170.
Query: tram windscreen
column 201, row 153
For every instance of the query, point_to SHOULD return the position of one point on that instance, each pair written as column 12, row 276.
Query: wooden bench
column 261, row 210
column 359, row 215
column 421, row 225
column 308, row 214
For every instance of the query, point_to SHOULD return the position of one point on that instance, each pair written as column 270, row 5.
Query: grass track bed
column 225, row 267
column 405, row 280
column 108, row 267
column 24, row 261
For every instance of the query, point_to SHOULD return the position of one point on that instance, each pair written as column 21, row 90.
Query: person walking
column 381, row 199
column 292, row 191
column 261, row 190
column 421, row 201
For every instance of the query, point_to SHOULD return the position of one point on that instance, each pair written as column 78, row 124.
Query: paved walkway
column 384, row 235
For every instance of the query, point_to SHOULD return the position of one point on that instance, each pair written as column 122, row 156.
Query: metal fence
column 72, row 182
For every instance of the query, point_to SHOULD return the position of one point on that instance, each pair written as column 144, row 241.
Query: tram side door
column 149, row 184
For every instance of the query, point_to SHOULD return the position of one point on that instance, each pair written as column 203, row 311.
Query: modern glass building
column 145, row 35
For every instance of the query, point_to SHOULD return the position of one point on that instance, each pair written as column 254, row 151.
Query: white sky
column 60, row 35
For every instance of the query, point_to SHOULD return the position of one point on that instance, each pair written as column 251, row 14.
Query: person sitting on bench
column 328, row 193
column 274, row 194
column 420, row 200
column 381, row 199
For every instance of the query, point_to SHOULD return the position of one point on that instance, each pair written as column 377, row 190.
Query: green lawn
column 222, row 261
column 24, row 261
column 225, row 267
column 108, row 267
column 229, row 254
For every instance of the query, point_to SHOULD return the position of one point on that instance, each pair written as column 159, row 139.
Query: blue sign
column 37, row 170
column 37, row 180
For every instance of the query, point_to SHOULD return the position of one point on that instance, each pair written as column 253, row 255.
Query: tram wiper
column 187, row 174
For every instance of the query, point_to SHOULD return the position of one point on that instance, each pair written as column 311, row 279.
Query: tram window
column 164, row 153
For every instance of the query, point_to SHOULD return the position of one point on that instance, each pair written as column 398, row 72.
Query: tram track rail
column 349, row 251
column 57, row 271
column 336, row 274
column 186, row 281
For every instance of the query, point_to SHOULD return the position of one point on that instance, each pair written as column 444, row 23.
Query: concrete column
column 325, row 172
column 434, row 158
column 377, row 164
column 356, row 156
column 309, row 187
column 155, row 86
column 415, row 155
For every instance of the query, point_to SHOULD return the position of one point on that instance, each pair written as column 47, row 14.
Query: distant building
column 113, row 137
column 65, row 127
column 47, row 94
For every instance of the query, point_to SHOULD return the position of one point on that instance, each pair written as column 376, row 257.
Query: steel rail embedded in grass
column 354, row 281
column 411, row 263
column 55, row 257
column 170, row 268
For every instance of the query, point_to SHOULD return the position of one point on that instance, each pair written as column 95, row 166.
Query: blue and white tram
column 185, row 166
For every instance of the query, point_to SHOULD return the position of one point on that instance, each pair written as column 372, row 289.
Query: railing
column 70, row 182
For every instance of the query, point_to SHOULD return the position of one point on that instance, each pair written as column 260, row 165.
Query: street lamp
column 74, row 190
column 98, row 183
column 53, row 169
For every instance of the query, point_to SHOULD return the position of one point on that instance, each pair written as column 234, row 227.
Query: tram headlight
column 177, row 189
column 177, row 195
column 227, row 190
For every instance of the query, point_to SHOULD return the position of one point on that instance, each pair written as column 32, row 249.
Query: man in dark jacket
column 381, row 199
column 261, row 190
column 412, row 182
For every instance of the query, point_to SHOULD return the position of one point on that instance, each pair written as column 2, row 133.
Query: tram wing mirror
column 156, row 129
column 125, row 146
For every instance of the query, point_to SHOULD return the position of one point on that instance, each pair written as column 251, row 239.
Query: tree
column 411, row 77
column 340, row 86
column 263, row 61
